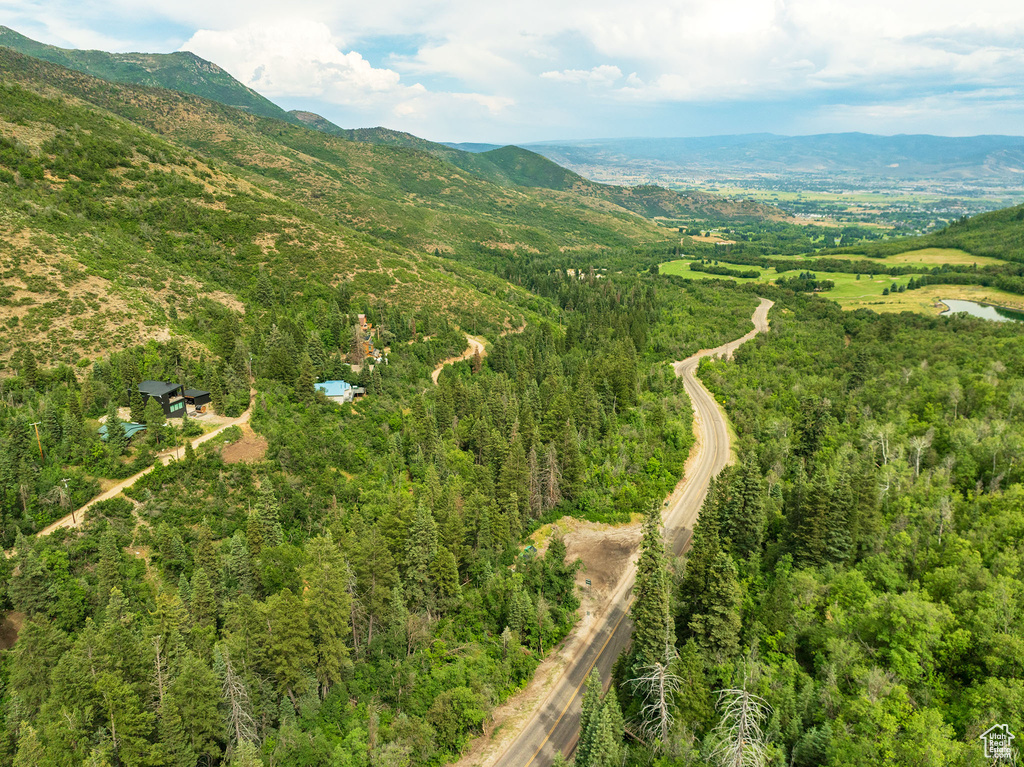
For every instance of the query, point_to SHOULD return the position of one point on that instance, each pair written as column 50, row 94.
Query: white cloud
column 605, row 75
column 292, row 58
column 649, row 53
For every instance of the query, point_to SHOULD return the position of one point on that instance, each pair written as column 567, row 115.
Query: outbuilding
column 198, row 399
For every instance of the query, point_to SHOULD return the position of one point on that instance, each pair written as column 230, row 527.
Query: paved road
column 76, row 518
column 555, row 726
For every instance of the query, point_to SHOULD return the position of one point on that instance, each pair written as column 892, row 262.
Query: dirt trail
column 475, row 345
column 75, row 518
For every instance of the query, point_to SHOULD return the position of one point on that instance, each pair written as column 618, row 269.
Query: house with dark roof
column 171, row 396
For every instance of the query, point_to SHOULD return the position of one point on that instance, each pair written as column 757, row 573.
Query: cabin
column 130, row 430
column 171, row 396
column 336, row 391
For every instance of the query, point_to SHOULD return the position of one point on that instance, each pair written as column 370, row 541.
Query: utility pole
column 74, row 522
column 38, row 441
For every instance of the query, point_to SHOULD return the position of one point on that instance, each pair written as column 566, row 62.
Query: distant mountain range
column 995, row 160
column 505, row 166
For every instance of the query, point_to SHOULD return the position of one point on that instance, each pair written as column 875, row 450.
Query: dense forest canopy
column 362, row 589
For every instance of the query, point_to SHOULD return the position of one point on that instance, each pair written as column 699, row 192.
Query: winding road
column 555, row 725
column 475, row 345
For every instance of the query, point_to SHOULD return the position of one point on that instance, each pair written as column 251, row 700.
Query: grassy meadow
column 866, row 292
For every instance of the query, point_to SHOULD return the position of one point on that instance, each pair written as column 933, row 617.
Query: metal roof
column 130, row 429
column 158, row 388
column 195, row 392
column 334, row 388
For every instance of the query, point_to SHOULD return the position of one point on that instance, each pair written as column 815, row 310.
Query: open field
column 866, row 292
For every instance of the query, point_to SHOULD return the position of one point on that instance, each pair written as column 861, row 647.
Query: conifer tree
column 239, row 566
column 290, row 648
column 30, row 751
column 190, row 711
column 116, row 441
column 810, row 521
column 137, row 408
column 155, row 420
column 203, row 603
column 445, row 575
column 269, row 518
column 305, row 380
column 204, row 555
column 422, row 550
column 651, row 611
column 108, row 570
column 717, row 627
column 328, row 605
column 29, row 368
column 590, row 711
column 534, row 490
column 571, row 462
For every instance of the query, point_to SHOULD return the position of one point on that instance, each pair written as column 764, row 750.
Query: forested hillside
column 357, row 595
column 854, row 579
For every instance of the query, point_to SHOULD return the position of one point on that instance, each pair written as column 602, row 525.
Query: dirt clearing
column 249, row 449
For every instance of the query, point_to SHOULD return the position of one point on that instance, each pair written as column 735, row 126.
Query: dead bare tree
column 919, row 444
column 741, row 738
column 241, row 724
column 658, row 685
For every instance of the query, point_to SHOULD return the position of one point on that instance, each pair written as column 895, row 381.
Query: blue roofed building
column 339, row 391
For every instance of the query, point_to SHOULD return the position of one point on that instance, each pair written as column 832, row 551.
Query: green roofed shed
column 130, row 429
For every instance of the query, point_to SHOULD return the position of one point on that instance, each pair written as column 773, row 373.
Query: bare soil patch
column 249, row 449
column 10, row 628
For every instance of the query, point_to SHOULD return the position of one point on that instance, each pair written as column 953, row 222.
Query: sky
column 535, row 70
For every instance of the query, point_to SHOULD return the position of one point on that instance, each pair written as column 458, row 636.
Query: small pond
column 984, row 311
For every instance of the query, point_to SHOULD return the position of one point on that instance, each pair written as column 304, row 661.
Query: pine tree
column 108, row 570
column 116, row 441
column 290, row 648
column 203, row 603
column 246, row 755
column 328, row 605
column 653, row 632
column 304, row 381
column 717, row 627
column 809, row 520
column 239, row 566
column 269, row 518
column 571, row 463
column 445, row 575
column 204, row 555
column 552, row 479
column 838, row 540
column 253, row 534
column 741, row 509
column 193, row 697
column 590, row 711
column 155, row 420
column 422, row 550
column 30, row 750
column 534, row 490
